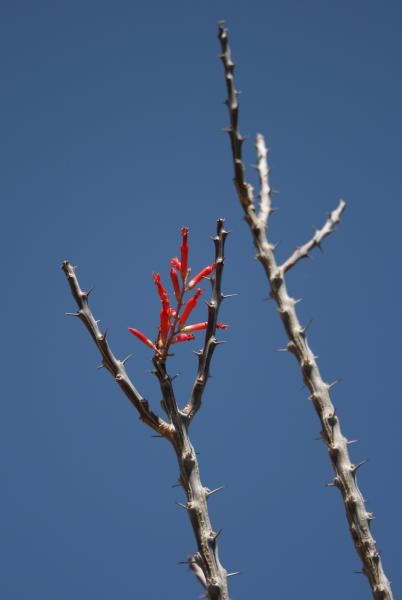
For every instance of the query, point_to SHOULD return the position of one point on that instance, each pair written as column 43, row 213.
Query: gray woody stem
column 345, row 471
column 115, row 367
column 205, row 563
column 210, row 342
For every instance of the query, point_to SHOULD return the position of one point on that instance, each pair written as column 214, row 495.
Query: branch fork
column 205, row 563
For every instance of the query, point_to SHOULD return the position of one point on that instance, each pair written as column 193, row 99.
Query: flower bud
column 204, row 273
column 182, row 337
column 201, row 326
column 143, row 338
column 184, row 252
column 190, row 305
column 175, row 283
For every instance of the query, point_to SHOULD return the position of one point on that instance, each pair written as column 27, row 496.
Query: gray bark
column 337, row 444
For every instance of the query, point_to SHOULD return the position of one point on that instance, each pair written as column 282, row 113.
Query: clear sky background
column 111, row 139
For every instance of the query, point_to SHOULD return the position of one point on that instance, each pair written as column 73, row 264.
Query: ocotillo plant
column 257, row 219
column 173, row 329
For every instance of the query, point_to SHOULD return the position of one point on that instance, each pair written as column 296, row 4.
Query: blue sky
column 111, row 126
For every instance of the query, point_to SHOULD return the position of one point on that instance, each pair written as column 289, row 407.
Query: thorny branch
column 109, row 361
column 337, row 445
column 303, row 251
column 210, row 572
column 210, row 342
column 205, row 563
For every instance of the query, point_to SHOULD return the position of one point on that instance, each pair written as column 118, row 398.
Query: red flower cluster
column 172, row 323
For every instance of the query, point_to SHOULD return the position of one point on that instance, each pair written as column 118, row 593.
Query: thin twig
column 210, row 342
column 109, row 361
column 244, row 189
column 345, row 472
column 315, row 242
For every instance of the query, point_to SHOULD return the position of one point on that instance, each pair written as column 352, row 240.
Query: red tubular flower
column 204, row 273
column 164, row 318
column 195, row 327
column 184, row 252
column 203, row 325
column 143, row 338
column 164, row 323
column 175, row 282
column 161, row 290
column 182, row 337
column 190, row 305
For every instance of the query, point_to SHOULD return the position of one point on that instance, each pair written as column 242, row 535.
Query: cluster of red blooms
column 172, row 327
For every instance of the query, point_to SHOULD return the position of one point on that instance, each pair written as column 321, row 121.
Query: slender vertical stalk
column 210, row 342
column 337, row 445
